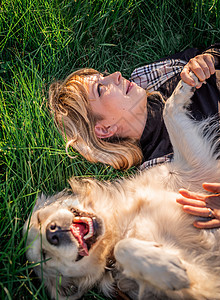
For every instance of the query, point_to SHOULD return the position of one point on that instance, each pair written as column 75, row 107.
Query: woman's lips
column 129, row 86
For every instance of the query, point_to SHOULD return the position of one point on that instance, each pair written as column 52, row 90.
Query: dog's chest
column 159, row 218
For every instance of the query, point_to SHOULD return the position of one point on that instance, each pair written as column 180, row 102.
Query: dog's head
column 64, row 240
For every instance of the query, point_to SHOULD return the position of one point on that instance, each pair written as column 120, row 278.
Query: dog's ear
column 82, row 186
column 41, row 199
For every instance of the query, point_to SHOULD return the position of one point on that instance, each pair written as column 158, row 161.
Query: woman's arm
column 203, row 205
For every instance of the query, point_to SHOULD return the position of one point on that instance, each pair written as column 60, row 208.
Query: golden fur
column 143, row 243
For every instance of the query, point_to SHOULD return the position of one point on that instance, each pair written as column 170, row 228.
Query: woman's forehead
column 89, row 80
column 93, row 78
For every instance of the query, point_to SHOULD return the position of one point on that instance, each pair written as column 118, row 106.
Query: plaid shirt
column 151, row 77
column 156, row 161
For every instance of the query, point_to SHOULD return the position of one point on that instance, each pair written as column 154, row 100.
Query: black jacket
column 155, row 141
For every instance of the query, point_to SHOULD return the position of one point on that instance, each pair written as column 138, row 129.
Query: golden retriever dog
column 131, row 235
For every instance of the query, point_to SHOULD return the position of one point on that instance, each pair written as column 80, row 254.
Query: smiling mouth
column 129, row 86
column 85, row 231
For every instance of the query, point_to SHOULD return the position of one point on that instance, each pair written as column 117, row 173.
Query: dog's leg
column 149, row 263
column 185, row 135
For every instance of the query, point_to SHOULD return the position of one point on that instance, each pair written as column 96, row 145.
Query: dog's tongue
column 79, row 230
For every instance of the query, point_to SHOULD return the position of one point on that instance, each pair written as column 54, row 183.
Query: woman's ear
column 103, row 132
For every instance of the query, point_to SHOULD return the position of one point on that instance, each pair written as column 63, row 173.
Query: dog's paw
column 168, row 272
column 181, row 97
column 184, row 88
column 150, row 263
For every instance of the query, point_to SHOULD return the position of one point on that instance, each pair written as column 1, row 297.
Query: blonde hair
column 71, row 109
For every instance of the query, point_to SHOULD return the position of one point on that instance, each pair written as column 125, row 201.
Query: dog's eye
column 75, row 211
column 38, row 219
column 44, row 254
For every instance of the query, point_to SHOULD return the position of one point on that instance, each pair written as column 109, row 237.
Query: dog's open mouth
column 84, row 231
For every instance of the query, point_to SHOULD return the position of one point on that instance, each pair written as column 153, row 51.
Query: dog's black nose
column 52, row 233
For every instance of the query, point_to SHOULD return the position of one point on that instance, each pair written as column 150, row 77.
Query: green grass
column 46, row 39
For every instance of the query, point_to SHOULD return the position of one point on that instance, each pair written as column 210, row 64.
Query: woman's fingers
column 213, row 223
column 188, row 194
column 198, row 211
column 212, row 187
column 186, row 77
column 191, row 202
column 210, row 61
column 202, row 205
column 202, row 66
column 212, row 201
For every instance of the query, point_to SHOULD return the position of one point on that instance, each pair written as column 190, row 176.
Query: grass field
column 46, row 39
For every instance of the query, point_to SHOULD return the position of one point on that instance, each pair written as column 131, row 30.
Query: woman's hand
column 203, row 66
column 203, row 205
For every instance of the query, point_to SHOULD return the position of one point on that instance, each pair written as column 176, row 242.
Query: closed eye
column 99, row 89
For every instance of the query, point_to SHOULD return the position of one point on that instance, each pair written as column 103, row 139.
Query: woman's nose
column 114, row 77
column 117, row 77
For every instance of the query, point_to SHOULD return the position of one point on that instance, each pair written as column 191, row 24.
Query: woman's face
column 120, row 103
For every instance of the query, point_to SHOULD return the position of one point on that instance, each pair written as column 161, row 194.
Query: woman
column 115, row 121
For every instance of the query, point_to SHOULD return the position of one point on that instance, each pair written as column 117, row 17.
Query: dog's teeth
column 87, row 221
column 91, row 231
